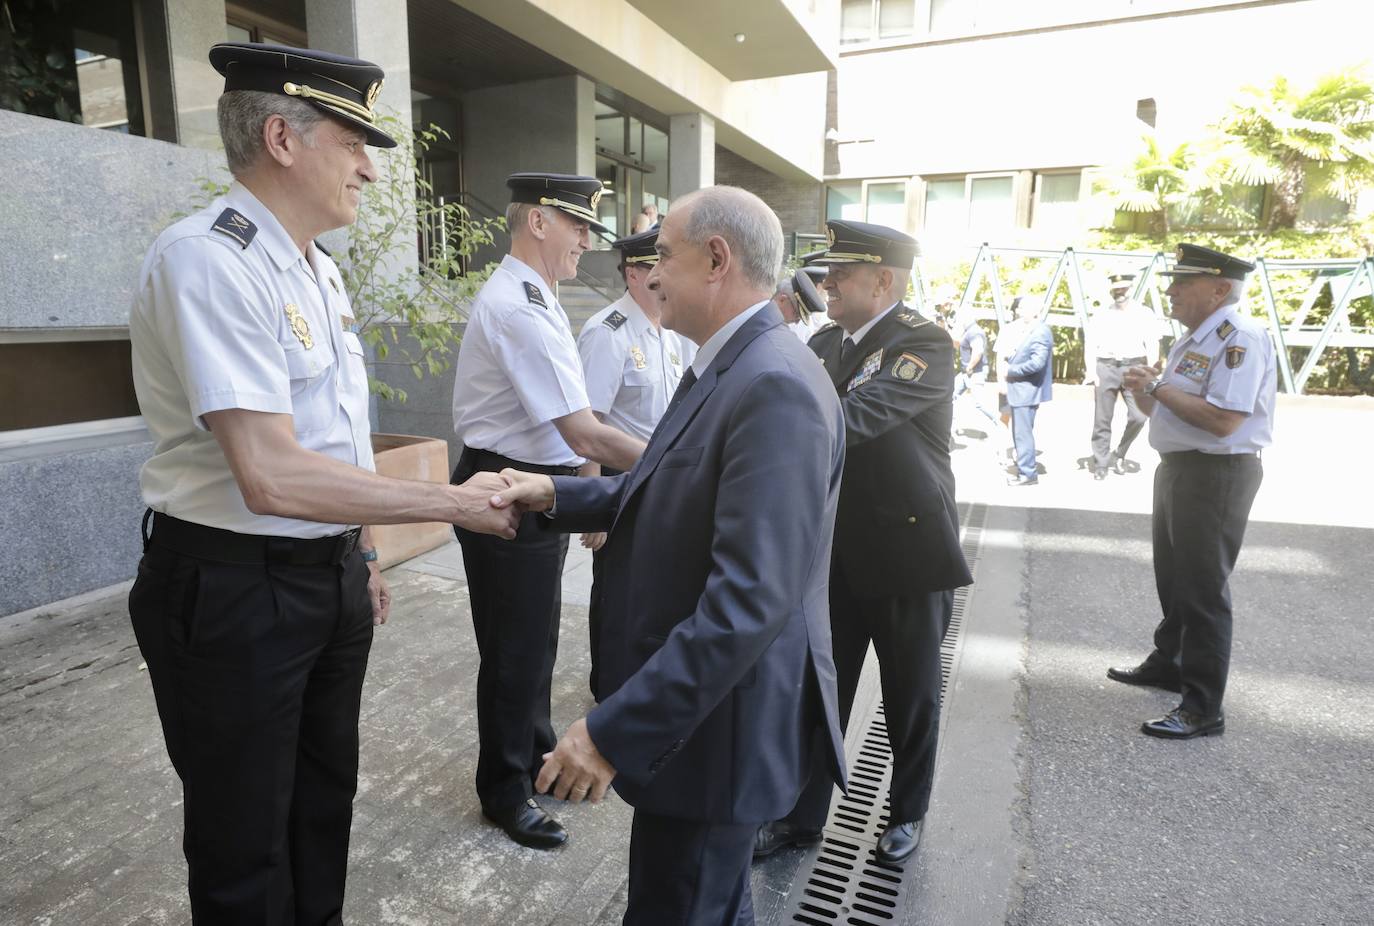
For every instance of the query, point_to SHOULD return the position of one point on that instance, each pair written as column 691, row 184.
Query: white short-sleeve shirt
column 1228, row 360
column 518, row 369
column 632, row 366
column 228, row 313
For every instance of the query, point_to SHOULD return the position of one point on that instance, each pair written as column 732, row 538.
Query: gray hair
column 785, row 288
column 243, row 113
column 748, row 226
column 517, row 216
column 1237, row 291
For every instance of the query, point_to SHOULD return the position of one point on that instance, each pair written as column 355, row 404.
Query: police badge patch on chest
column 1193, row 366
column 299, row 326
column 872, row 364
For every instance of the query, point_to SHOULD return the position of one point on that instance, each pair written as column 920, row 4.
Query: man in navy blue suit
column 716, row 668
column 1026, row 367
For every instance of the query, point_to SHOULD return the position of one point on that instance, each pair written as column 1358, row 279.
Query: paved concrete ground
column 1049, row 807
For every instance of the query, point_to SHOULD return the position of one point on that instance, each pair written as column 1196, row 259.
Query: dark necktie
column 847, row 348
column 688, row 379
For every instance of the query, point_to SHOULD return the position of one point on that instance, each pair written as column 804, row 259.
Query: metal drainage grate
column 844, row 883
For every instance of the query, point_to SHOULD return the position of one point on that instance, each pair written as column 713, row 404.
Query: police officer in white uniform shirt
column 520, row 401
column 257, row 592
column 1211, row 414
column 632, row 365
column 1119, row 336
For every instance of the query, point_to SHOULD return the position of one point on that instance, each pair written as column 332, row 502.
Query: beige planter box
column 404, row 456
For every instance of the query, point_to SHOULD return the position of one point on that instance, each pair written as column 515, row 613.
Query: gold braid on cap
column 840, row 255
column 307, row 92
column 579, row 211
column 645, row 259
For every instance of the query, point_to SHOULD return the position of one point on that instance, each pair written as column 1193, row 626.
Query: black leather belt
column 1197, row 456
column 484, row 461
column 222, row 546
column 1133, row 361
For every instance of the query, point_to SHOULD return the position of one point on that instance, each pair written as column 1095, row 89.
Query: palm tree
column 1323, row 138
column 1153, row 183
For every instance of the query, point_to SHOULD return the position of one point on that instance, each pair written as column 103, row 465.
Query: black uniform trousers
column 1110, row 374
column 515, row 590
column 1201, row 506
column 594, row 611
column 689, row 873
column 906, row 632
column 257, row 669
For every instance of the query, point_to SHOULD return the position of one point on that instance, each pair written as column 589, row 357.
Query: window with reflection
column 72, row 60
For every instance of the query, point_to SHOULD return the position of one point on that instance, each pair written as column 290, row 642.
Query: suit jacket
column 716, row 665
column 897, row 530
column 1030, row 372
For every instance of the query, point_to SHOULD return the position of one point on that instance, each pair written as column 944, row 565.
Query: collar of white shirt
column 271, row 232
column 525, row 274
column 1211, row 322
column 715, row 342
column 858, row 336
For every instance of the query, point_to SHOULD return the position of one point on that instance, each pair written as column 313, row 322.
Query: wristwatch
column 369, row 556
column 1152, row 385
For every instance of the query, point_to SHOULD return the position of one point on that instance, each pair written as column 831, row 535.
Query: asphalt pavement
column 1050, row 808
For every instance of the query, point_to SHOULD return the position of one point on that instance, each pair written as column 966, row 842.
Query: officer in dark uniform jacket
column 896, row 556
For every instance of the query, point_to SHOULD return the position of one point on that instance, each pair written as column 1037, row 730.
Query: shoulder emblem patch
column 236, row 225
column 612, row 321
column 1235, row 356
column 1225, row 329
column 909, row 368
column 535, row 296
column 911, row 319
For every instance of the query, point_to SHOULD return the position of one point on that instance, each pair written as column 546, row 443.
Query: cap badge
column 595, row 198
column 829, row 236
column 672, row 355
column 374, row 91
column 299, row 327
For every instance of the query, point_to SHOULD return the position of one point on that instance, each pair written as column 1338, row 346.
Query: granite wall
column 78, row 209
column 71, row 521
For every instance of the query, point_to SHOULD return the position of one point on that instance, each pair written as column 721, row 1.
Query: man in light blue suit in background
column 1026, row 355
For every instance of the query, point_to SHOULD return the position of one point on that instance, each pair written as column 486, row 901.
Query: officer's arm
column 888, row 399
column 975, row 355
column 279, row 477
column 599, row 442
column 1197, row 411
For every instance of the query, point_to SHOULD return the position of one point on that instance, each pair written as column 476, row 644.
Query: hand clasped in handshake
column 492, row 503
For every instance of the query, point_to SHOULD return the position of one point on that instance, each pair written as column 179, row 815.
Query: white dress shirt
column 219, row 324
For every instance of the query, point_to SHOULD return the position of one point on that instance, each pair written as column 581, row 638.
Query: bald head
column 749, row 228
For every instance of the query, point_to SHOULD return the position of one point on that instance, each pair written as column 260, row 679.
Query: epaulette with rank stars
column 614, row 320
column 535, row 296
column 1225, row 329
column 911, row 319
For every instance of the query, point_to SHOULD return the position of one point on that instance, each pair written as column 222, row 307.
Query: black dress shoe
column 898, row 842
column 1180, row 724
column 1145, row 674
column 1023, row 480
column 1118, row 463
column 528, row 824
column 779, row 835
column 1099, row 473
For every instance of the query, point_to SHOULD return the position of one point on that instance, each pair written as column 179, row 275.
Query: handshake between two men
column 574, row 771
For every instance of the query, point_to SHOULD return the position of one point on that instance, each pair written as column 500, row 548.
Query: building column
column 374, row 31
column 181, row 89
column 691, row 153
